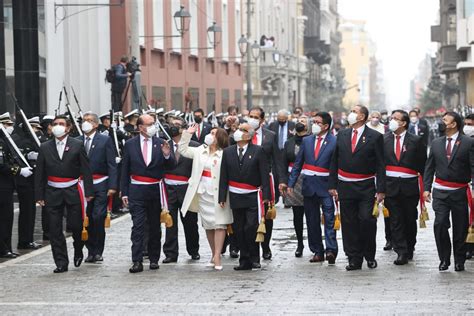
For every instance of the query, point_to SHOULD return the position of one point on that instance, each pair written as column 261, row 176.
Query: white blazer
column 191, row 199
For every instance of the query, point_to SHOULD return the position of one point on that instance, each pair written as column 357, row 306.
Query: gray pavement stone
column 285, row 285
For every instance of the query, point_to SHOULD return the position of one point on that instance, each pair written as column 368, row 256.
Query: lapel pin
column 93, row 146
column 67, row 148
column 458, row 142
column 404, row 148
column 363, row 139
column 250, row 157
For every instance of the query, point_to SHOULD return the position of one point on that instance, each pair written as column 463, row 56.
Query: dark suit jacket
column 206, row 129
column 273, row 154
column 412, row 156
column 8, row 167
column 74, row 164
column 275, row 127
column 102, row 161
column 366, row 159
column 254, row 171
column 133, row 164
column 423, row 131
column 460, row 168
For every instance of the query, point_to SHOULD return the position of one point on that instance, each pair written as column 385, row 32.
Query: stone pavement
column 285, row 284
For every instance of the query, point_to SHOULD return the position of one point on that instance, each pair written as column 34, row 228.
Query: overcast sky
column 401, row 31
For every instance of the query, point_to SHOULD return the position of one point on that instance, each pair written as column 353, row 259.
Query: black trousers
column 268, row 235
column 97, row 211
column 454, row 204
column 6, row 220
column 359, row 229
column 190, row 225
column 298, row 215
column 117, row 100
column 245, row 231
column 146, row 211
column 403, row 216
column 27, row 216
column 388, row 228
column 45, row 222
column 56, row 235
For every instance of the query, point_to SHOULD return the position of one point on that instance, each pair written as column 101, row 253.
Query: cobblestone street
column 285, row 284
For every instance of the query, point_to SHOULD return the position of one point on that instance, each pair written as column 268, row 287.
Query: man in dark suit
column 176, row 185
column 418, row 127
column 120, row 83
column 451, row 161
column 203, row 128
column 101, row 153
column 244, row 176
column 314, row 160
column 62, row 162
column 405, row 157
column 282, row 128
column 268, row 141
column 145, row 159
column 357, row 162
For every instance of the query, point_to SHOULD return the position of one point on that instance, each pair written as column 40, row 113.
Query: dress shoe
column 60, row 270
column 136, row 267
column 299, row 252
column 30, row 245
column 371, row 264
column 170, row 260
column 78, row 261
column 154, row 266
column 458, row 267
column 353, row 266
column 469, row 255
column 443, row 266
column 401, row 260
column 331, row 258
column 234, row 253
column 410, row 255
column 317, row 258
column 196, row 256
column 90, row 259
column 256, row 265
column 218, row 268
column 388, row 246
column 242, row 268
column 98, row 258
column 8, row 255
column 267, row 255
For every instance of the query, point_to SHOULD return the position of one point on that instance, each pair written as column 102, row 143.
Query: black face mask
column 198, row 119
column 299, row 127
column 281, row 122
column 174, row 131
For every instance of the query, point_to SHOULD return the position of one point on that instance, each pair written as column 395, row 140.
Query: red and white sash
column 142, row 180
column 290, row 166
column 172, row 179
column 62, row 183
column 400, row 172
column 243, row 188
column 451, row 186
column 353, row 177
column 206, row 175
column 310, row 170
column 99, row 178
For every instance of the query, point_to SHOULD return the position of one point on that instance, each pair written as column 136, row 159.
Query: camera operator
column 120, row 83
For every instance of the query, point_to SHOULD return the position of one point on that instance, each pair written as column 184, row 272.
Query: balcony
column 317, row 50
column 449, row 58
column 436, row 33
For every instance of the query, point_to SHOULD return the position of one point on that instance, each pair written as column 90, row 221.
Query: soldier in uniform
column 131, row 123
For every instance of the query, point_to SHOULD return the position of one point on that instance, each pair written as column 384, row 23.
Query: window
column 141, row 22
column 211, row 100
column 225, row 102
column 177, row 98
column 210, row 20
column 225, row 31
column 238, row 99
column 468, row 8
column 158, row 27
column 193, row 99
column 159, row 96
column 193, row 28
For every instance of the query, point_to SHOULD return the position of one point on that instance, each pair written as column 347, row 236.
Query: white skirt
column 207, row 212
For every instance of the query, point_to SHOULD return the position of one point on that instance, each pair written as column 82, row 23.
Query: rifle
column 114, row 132
column 14, row 148
column 163, row 129
column 71, row 113
column 30, row 130
column 58, row 110
column 77, row 102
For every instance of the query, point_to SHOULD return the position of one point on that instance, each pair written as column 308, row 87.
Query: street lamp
column 287, row 58
column 216, row 31
column 182, row 19
column 243, row 45
column 276, row 57
column 255, row 48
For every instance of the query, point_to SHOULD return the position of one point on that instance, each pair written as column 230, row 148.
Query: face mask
column 413, row 119
column 209, row 139
column 198, row 119
column 174, row 131
column 86, row 127
column 238, row 135
column 254, row 123
column 299, row 127
column 151, row 131
column 344, row 117
column 352, row 118
column 469, row 130
column 281, row 122
column 9, row 129
column 315, row 129
column 374, row 121
column 393, row 125
column 59, row 131
column 384, row 117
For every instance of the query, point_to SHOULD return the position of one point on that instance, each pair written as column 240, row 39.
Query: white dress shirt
column 149, row 148
column 243, row 152
column 453, row 140
column 60, row 146
column 322, row 140
column 402, row 139
column 360, row 130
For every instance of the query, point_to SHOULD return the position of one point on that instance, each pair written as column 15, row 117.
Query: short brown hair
column 62, row 117
column 222, row 137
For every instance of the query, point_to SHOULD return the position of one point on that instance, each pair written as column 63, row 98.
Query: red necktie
column 397, row 147
column 254, row 139
column 449, row 149
column 145, row 151
column 354, row 140
column 198, row 133
column 318, row 147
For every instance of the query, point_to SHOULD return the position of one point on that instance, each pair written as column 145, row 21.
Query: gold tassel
column 261, row 231
column 425, row 215
column 422, row 221
column 166, row 218
column 107, row 220
column 386, row 213
column 337, row 222
column 84, row 234
column 230, row 230
column 322, row 219
column 86, row 221
column 271, row 213
column 375, row 211
column 470, row 235
column 260, row 237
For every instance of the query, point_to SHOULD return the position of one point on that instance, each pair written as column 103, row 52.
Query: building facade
column 465, row 47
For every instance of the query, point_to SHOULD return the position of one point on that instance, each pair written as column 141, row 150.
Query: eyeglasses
column 243, row 130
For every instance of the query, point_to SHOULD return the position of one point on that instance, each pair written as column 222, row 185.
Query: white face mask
column 151, row 131
column 393, row 125
column 9, row 129
column 86, row 127
column 469, row 130
column 316, row 129
column 238, row 135
column 254, row 123
column 374, row 121
column 59, row 131
column 413, row 119
column 352, row 118
column 209, row 139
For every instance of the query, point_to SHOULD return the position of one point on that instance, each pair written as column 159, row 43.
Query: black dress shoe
column 98, row 258
column 316, row 258
column 267, row 255
column 241, row 268
column 234, row 253
column 90, row 259
column 170, row 260
column 136, row 267
column 410, row 255
column 388, row 246
column 60, row 270
column 443, row 266
column 154, row 266
column 331, row 258
column 9, row 255
column 78, row 261
column 468, row 254
column 256, row 265
column 401, row 260
column 458, row 267
column 30, row 245
column 372, row 264
column 353, row 266
column 195, row 256
column 299, row 252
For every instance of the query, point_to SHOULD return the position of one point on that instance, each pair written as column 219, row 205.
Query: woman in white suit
column 202, row 195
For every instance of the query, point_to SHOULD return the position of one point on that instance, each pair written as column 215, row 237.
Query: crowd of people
column 230, row 170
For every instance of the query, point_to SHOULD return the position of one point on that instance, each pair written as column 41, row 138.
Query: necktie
column 281, row 140
column 318, row 147
column 60, row 150
column 241, row 154
column 198, row 132
column 397, row 147
column 145, row 151
column 88, row 144
column 254, row 139
column 448, row 148
column 354, row 140
column 176, row 153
